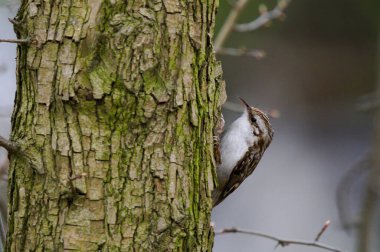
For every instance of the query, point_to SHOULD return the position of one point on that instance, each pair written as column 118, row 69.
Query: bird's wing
column 241, row 171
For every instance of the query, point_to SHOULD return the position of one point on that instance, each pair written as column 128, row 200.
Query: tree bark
column 114, row 114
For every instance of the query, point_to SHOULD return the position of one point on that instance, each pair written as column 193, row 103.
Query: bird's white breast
column 234, row 144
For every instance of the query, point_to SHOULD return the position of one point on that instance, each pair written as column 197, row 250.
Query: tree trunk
column 114, row 112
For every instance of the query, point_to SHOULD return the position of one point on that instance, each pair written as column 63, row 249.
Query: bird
column 242, row 145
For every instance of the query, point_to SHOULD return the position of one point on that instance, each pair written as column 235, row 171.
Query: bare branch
column 264, row 18
column 9, row 145
column 16, row 41
column 280, row 241
column 229, row 24
column 257, row 54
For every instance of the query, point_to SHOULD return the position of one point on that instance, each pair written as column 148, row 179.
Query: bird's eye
column 253, row 119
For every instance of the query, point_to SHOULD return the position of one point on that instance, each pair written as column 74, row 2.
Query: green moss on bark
column 116, row 102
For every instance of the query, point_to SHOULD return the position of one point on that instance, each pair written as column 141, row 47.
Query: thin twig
column 229, row 24
column 16, row 41
column 258, row 54
column 264, row 18
column 323, row 229
column 10, row 146
column 280, row 241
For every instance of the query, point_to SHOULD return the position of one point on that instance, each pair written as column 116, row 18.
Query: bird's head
column 259, row 122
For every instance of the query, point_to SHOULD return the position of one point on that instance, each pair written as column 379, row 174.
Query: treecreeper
column 242, row 145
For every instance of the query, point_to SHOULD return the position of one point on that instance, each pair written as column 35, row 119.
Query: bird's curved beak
column 245, row 103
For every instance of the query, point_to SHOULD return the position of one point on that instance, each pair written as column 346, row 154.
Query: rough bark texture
column 115, row 107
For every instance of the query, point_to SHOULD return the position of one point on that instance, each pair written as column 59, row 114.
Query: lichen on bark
column 116, row 101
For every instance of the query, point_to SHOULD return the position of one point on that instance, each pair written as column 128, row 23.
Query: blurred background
column 320, row 71
column 7, row 69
